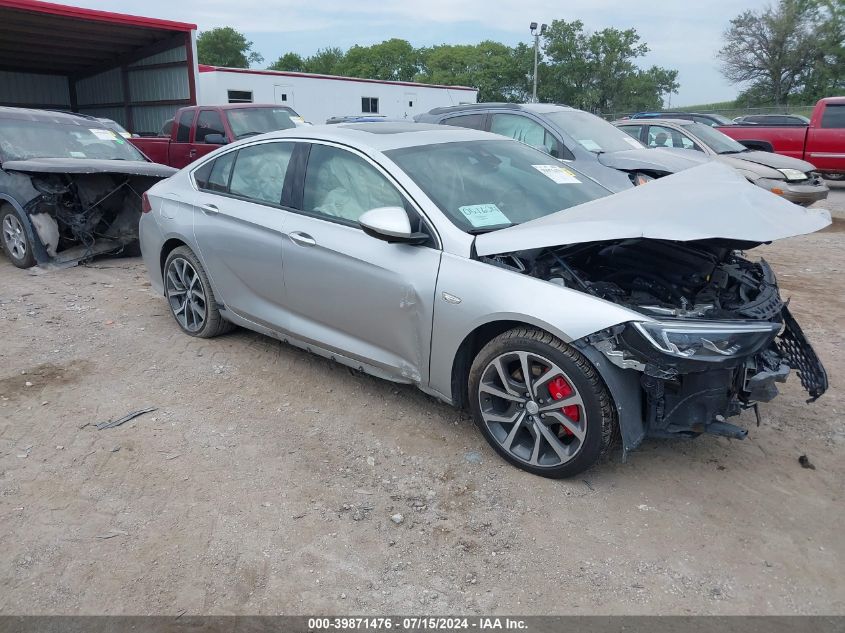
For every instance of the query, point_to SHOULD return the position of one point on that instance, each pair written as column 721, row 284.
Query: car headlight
column 793, row 174
column 707, row 341
column 639, row 178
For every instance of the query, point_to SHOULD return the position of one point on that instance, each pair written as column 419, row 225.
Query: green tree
column 224, row 46
column 596, row 71
column 824, row 74
column 771, row 50
column 289, row 61
column 326, row 61
column 392, row 60
column 498, row 71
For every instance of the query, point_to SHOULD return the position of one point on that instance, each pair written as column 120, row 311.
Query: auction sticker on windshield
column 481, row 215
column 103, row 135
column 560, row 175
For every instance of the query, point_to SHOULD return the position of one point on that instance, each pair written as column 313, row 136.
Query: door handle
column 303, row 239
column 192, row 153
column 209, row 209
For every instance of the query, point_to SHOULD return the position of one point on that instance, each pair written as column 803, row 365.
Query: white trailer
column 319, row 97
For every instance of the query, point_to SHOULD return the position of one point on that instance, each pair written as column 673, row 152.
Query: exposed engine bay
column 721, row 337
column 81, row 215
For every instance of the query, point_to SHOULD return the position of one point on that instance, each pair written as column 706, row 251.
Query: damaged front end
column 84, row 210
column 717, row 338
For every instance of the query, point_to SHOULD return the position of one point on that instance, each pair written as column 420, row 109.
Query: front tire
column 558, row 421
column 14, row 238
column 190, row 296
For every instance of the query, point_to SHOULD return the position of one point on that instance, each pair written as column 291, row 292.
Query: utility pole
column 536, row 34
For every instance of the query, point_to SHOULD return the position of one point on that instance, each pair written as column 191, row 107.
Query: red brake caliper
column 558, row 390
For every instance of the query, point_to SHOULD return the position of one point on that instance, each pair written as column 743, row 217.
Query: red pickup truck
column 198, row 130
column 821, row 143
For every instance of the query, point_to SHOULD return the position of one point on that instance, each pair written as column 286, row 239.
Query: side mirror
column 390, row 224
column 216, row 139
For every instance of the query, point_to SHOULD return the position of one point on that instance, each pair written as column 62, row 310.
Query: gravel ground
column 271, row 481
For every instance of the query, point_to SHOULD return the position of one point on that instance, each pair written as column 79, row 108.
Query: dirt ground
column 265, row 481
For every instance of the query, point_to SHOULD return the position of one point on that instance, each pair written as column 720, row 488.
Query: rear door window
column 834, row 116
column 472, row 121
column 259, row 172
column 215, row 174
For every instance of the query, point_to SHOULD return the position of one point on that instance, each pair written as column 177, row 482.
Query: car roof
column 539, row 108
column 684, row 122
column 48, row 116
column 383, row 136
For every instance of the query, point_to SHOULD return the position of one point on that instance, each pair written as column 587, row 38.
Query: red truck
column 198, row 130
column 821, row 143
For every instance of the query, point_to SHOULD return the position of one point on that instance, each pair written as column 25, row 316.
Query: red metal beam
column 78, row 13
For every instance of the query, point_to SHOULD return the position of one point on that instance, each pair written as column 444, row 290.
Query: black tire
column 834, row 177
column 213, row 323
column 21, row 259
column 599, row 421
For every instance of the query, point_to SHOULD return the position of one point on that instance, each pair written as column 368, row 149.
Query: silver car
column 794, row 179
column 493, row 277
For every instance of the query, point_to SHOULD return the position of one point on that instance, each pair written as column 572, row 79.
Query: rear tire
column 190, row 297
column 14, row 239
column 564, row 424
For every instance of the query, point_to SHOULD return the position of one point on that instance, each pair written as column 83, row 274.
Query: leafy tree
column 824, row 74
column 326, row 61
column 392, row 60
column 498, row 71
column 772, row 49
column 596, row 71
column 224, row 46
column 290, row 62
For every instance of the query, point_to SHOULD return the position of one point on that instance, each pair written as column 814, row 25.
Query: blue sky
column 681, row 34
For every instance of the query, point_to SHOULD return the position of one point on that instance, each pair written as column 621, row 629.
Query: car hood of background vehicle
column 88, row 166
column 656, row 159
column 707, row 202
column 768, row 159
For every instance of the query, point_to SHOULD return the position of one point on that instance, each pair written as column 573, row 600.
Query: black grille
column 800, row 356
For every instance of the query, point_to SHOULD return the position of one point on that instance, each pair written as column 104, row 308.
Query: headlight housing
column 712, row 341
column 639, row 178
column 793, row 174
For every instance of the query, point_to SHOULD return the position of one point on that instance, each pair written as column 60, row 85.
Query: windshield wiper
column 734, row 151
column 488, row 229
column 245, row 134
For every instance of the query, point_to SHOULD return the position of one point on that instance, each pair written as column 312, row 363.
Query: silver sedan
column 493, row 277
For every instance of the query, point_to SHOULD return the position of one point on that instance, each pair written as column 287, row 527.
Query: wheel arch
column 472, row 344
column 41, row 255
column 168, row 247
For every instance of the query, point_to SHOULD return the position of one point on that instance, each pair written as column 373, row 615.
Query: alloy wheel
column 532, row 409
column 186, row 294
column 14, row 238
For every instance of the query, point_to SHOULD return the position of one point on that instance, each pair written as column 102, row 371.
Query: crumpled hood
column 769, row 159
column 88, row 166
column 706, row 202
column 656, row 159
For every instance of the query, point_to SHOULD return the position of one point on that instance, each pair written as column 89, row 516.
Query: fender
column 41, row 255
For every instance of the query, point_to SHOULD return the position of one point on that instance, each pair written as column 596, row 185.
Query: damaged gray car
column 70, row 188
column 492, row 277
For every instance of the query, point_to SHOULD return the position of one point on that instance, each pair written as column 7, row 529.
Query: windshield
column 251, row 121
column 23, row 139
column 487, row 185
column 593, row 133
column 716, row 140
